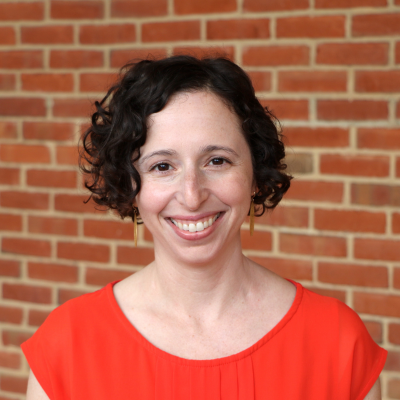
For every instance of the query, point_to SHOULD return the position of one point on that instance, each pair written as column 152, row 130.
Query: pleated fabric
column 87, row 349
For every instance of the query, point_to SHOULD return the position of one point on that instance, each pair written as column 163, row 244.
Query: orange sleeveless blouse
column 87, row 349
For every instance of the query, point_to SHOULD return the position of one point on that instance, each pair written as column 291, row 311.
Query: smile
column 195, row 226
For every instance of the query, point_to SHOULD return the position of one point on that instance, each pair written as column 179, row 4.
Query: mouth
column 195, row 226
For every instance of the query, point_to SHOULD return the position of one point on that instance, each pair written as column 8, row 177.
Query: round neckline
column 210, row 362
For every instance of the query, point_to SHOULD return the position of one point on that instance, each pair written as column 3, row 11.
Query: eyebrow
column 203, row 150
column 166, row 152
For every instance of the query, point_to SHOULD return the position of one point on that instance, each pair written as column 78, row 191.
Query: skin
column 200, row 295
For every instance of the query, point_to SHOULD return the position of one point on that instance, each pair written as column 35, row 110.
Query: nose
column 193, row 189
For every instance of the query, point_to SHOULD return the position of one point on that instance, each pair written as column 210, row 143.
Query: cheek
column 151, row 199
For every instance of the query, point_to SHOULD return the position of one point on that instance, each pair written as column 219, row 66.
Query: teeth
column 196, row 227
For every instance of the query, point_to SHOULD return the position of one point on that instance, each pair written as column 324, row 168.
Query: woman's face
column 197, row 178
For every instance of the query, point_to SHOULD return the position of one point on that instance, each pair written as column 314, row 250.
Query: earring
column 252, row 214
column 135, row 233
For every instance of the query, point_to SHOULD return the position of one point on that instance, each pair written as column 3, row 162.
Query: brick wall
column 329, row 69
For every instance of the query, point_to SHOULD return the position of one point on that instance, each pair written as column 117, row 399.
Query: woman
column 185, row 143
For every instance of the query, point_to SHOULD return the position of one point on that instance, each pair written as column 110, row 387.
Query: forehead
column 195, row 116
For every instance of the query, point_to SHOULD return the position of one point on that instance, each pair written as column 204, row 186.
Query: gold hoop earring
column 135, row 226
column 252, row 214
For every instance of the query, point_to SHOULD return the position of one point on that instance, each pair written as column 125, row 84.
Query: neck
column 204, row 291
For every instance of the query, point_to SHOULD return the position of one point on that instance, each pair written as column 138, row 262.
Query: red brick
column 83, row 251
column 313, row 245
column 37, row 317
column 18, row 10
column 81, row 9
column 108, row 229
column 396, row 223
column 15, row 384
column 67, row 155
column 7, row 35
column 377, row 249
column 60, row 34
column 9, row 176
column 398, row 167
column 68, row 294
column 316, row 191
column 15, row 338
column 378, row 304
column 394, row 385
column 45, row 178
column 353, row 274
column 375, row 195
column 287, row 109
column 10, row 360
column 296, row 217
column 392, row 361
column 358, row 165
column 353, row 110
column 375, row 330
column 9, row 268
column 379, row 138
column 259, row 240
column 238, row 28
column 203, row 7
column 122, row 57
column 350, row 220
column 311, row 27
column 7, row 81
column 26, row 246
column 377, row 81
column 10, row 222
column 18, row 107
column 276, row 55
column 11, row 315
column 17, row 59
column 205, row 51
column 72, row 108
column 376, row 24
column 74, row 203
column 134, row 255
column 28, row 200
column 353, row 53
column 138, row 8
column 170, row 31
column 394, row 333
column 261, row 80
column 275, row 5
column 48, row 82
column 299, row 163
column 48, row 130
column 100, row 277
column 8, row 130
column 53, row 225
column 312, row 81
column 349, row 3
column 22, row 153
column 97, row 82
column 76, row 59
column 29, row 293
column 337, row 294
column 398, row 51
column 106, row 34
column 316, row 137
column 286, row 267
column 53, row 272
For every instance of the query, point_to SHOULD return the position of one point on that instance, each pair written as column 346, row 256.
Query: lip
column 195, row 235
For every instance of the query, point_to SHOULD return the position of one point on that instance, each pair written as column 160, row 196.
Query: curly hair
column 119, row 127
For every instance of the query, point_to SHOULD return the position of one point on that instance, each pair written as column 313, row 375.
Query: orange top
column 87, row 349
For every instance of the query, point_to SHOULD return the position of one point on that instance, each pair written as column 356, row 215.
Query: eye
column 162, row 167
column 218, row 161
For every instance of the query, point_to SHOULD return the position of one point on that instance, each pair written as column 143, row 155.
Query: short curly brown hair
column 119, row 127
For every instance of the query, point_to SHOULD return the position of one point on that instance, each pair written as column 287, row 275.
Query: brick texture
column 328, row 69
